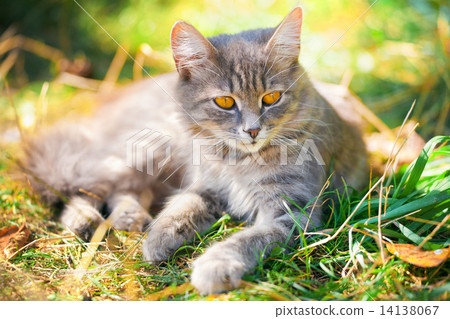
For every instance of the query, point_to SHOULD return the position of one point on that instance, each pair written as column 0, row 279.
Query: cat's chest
column 241, row 187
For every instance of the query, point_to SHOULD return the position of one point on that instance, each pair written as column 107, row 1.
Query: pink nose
column 253, row 132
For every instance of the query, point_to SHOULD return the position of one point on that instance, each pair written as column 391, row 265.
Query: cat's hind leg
column 81, row 216
column 127, row 213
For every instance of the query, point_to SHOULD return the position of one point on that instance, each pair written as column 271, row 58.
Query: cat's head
column 240, row 88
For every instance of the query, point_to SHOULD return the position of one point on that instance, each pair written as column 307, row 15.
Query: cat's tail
column 62, row 162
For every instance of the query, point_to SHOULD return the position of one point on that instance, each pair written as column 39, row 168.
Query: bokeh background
column 397, row 52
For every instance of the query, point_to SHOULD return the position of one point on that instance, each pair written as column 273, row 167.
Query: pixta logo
column 148, row 151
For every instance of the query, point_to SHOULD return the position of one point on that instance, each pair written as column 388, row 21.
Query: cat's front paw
column 216, row 272
column 158, row 246
column 164, row 238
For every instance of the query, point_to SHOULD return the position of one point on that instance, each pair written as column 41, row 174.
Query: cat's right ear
column 191, row 50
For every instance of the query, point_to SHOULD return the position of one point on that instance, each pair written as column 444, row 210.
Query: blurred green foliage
column 396, row 52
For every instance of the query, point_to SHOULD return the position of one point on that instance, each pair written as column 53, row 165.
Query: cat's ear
column 285, row 41
column 191, row 50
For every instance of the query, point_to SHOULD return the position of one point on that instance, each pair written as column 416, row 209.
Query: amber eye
column 225, row 102
column 271, row 98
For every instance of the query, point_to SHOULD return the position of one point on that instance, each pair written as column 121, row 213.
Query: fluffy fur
column 300, row 140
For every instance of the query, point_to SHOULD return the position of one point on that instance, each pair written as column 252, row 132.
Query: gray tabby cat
column 247, row 99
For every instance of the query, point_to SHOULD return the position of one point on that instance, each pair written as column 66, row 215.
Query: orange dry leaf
column 170, row 291
column 418, row 257
column 12, row 239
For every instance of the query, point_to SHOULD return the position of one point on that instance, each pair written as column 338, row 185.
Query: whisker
column 322, row 123
column 285, row 70
column 314, row 106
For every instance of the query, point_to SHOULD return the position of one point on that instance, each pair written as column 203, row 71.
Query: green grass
column 347, row 267
column 392, row 61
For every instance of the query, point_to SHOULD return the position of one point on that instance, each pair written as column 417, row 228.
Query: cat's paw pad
column 213, row 273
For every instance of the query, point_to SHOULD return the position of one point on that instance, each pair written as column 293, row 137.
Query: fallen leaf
column 170, row 291
column 12, row 239
column 417, row 256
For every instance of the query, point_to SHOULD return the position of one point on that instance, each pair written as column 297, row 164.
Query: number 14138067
column 408, row 310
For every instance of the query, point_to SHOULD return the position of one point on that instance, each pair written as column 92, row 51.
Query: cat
column 243, row 98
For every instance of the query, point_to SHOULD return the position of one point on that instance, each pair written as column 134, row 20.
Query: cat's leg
column 81, row 216
column 222, row 266
column 183, row 215
column 126, row 212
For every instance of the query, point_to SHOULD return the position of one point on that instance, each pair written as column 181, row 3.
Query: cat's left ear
column 285, row 41
column 191, row 50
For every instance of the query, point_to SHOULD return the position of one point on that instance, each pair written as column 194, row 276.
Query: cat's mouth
column 250, row 146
